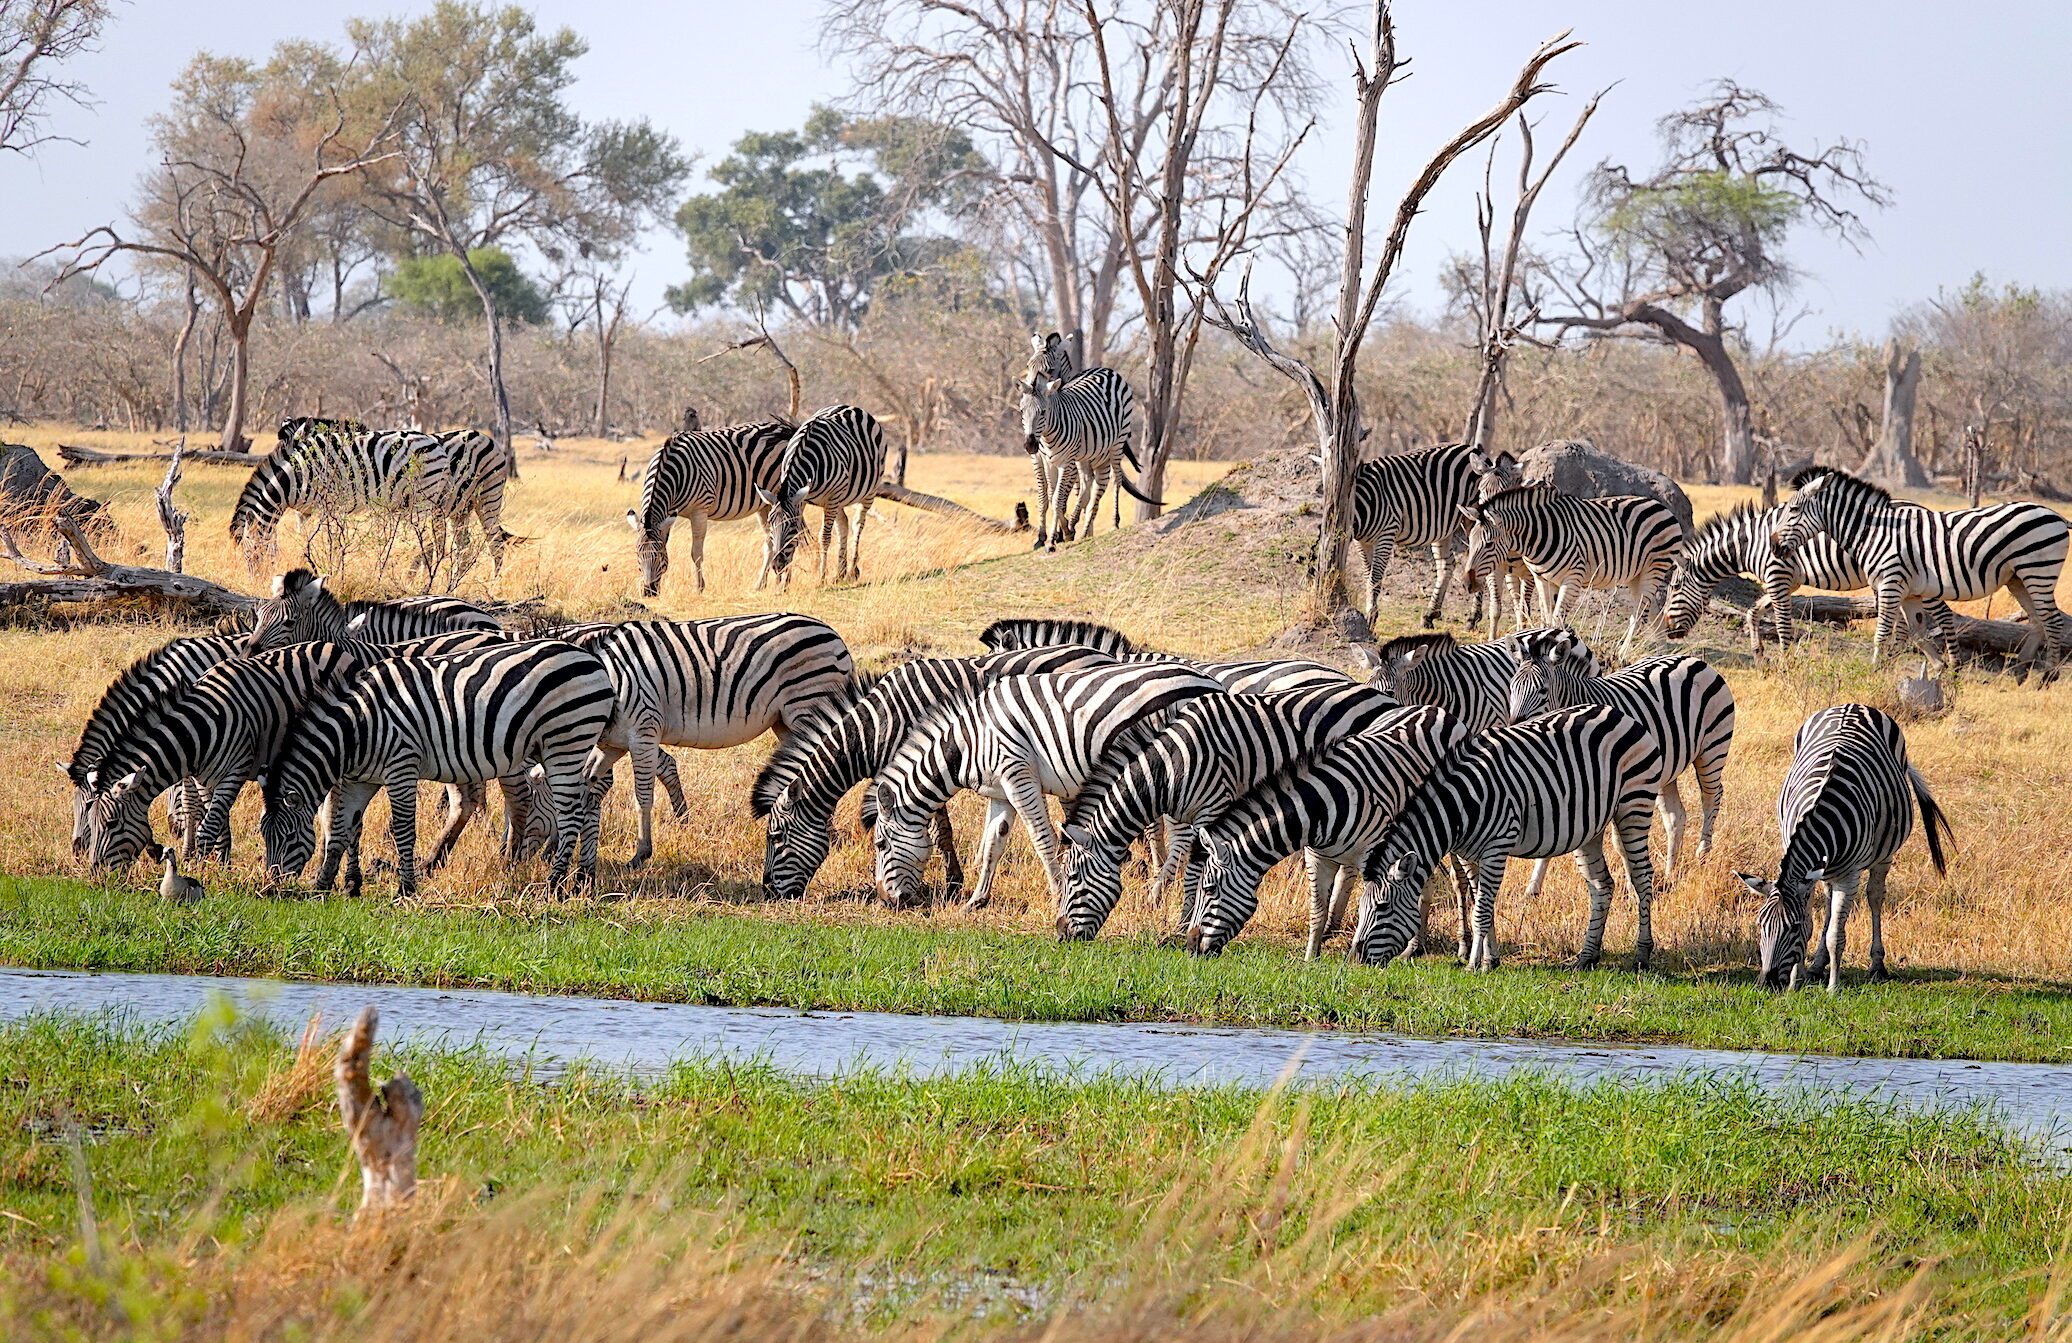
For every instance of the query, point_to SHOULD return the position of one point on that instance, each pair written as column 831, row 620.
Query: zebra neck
column 825, row 777
column 1139, row 796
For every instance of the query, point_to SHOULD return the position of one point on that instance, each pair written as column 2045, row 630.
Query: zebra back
column 1605, row 542
column 1415, row 497
column 1848, row 799
column 1089, row 417
column 158, row 678
column 1682, row 700
column 1470, row 681
column 404, row 618
column 722, row 681
column 1959, row 555
column 835, row 458
column 711, row 471
column 1040, row 632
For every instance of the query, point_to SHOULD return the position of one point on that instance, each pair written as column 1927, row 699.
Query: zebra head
column 1488, row 543
column 794, row 847
column 651, row 546
column 1224, row 900
column 1039, row 393
column 1808, row 511
column 1393, row 667
column 1391, row 904
column 1549, row 663
column 118, row 825
column 1494, row 475
column 1711, row 555
column 900, row 839
column 787, row 521
column 301, row 611
column 1093, row 884
column 1781, row 927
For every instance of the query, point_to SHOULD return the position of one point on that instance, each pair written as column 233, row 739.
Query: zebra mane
column 1037, row 632
column 1405, row 644
column 1521, row 494
column 786, row 762
column 1844, row 482
column 116, row 709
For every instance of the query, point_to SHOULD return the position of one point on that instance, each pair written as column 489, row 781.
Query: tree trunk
column 1163, row 404
column 233, row 438
column 1891, row 461
column 1737, row 455
column 180, row 357
column 604, row 366
column 499, row 394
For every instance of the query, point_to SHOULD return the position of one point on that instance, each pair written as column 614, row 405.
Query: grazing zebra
column 710, row 684
column 811, row 771
column 335, row 468
column 1239, row 678
column 1037, row 632
column 1740, row 541
column 463, row 718
column 1414, row 499
column 1012, row 743
column 1470, row 681
column 1077, row 429
column 835, row 459
column 224, row 731
column 304, row 610
column 706, row 476
column 153, row 680
column 1550, row 785
column 1846, row 807
column 1191, row 769
column 1628, row 541
column 1683, row 700
column 1914, row 555
column 1331, row 806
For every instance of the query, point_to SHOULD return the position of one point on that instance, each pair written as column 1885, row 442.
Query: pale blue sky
column 1960, row 111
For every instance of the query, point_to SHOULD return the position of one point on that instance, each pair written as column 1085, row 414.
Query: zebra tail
column 1934, row 824
column 1129, row 454
column 1122, row 479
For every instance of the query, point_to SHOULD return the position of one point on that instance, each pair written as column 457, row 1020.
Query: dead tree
column 171, row 518
column 949, row 508
column 36, row 35
column 77, row 574
column 1891, row 460
column 381, row 1125
column 763, row 340
column 1334, row 405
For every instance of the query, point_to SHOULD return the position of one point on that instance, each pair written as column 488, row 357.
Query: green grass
column 666, row 951
column 1459, row 1188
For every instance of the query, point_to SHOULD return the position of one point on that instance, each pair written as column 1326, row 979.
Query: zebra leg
column 1711, row 771
column 863, row 515
column 1381, row 551
column 342, row 827
column 1489, row 879
column 1323, row 874
column 942, row 833
column 1179, row 848
column 1465, row 877
column 1538, row 880
column 699, row 522
column 1061, row 491
column 213, row 841
column 1097, row 481
column 463, row 803
column 1025, row 791
column 1342, row 896
column 1888, row 621
column 1874, row 896
column 575, row 825
column 999, row 815
column 1632, row 824
column 1670, row 804
column 647, row 746
column 402, row 799
column 1442, row 565
column 1597, row 874
column 672, row 784
column 1841, row 894
column 1042, row 500
column 828, row 517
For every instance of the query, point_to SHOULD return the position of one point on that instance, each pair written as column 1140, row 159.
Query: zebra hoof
column 1880, row 975
column 1584, row 963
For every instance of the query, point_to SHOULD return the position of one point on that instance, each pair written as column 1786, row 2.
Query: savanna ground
column 725, row 1200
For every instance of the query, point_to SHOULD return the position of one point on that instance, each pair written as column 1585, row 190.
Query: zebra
column 304, row 610
column 1683, row 700
column 1331, row 806
column 1846, row 806
column 334, row 468
column 1627, row 541
column 155, row 679
column 1413, row 499
column 834, row 459
column 462, row 718
column 705, row 476
column 1191, row 769
column 1739, row 541
column 1470, row 681
column 811, row 771
column 1077, row 428
column 1912, row 555
column 1012, row 743
column 224, row 731
column 710, row 684
column 1250, row 677
column 1039, row 632
column 1550, row 785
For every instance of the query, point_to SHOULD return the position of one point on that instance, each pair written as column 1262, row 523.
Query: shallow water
column 2034, row 1098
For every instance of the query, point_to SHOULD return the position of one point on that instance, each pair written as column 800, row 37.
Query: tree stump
column 382, row 1125
column 1922, row 695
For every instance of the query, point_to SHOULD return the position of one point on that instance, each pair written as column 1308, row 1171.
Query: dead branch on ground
column 382, row 1125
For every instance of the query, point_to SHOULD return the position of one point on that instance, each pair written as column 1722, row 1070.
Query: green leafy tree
column 436, row 286
column 1660, row 257
column 813, row 221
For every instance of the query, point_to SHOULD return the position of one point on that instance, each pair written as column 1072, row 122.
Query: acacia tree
column 1659, row 257
column 1334, row 401
column 35, row 37
column 244, row 159
column 488, row 150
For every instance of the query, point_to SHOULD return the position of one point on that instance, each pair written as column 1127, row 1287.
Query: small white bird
column 181, row 890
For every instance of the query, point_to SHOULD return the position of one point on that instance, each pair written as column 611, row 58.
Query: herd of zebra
column 1459, row 754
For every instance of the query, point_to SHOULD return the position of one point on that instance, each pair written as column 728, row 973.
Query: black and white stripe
column 224, row 731
column 1912, row 556
column 158, row 678
column 1193, row 767
column 835, row 459
column 1629, row 542
column 1413, row 499
column 1550, row 785
column 1013, row 743
column 708, row 685
column 1846, row 806
column 1250, row 677
column 1470, row 681
column 812, row 770
column 1076, row 430
column 334, row 468
column 304, row 610
column 1041, row 632
column 704, row 476
column 463, row 718
column 1332, row 807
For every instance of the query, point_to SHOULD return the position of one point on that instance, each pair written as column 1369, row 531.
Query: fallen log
column 80, row 575
column 381, row 1124
column 1973, row 638
column 76, row 455
column 900, row 494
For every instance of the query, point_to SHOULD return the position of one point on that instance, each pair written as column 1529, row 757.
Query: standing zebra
column 1014, row 742
column 1846, row 807
column 706, row 476
column 1331, row 806
column 1683, row 700
column 1550, row 785
column 335, row 468
column 835, row 459
column 1627, row 541
column 1192, row 768
column 710, row 684
column 1470, row 681
column 159, row 677
column 224, row 731
column 1080, row 428
column 1414, row 499
column 812, row 770
column 463, row 718
column 1914, row 555
column 1741, row 541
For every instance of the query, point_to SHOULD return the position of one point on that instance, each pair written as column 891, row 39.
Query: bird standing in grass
column 176, row 886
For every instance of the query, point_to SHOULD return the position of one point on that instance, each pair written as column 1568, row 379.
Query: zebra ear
column 1817, row 874
column 1075, row 834
column 1505, row 462
column 93, row 778
column 1401, row 869
column 760, row 493
column 632, row 520
column 1368, row 656
column 1478, row 462
column 63, row 768
column 124, row 784
column 1472, row 514
column 1755, row 883
column 280, row 585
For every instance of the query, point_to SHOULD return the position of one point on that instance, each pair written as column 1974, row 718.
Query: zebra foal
column 1846, row 806
column 835, row 458
column 1550, row 785
column 1629, row 542
column 703, row 476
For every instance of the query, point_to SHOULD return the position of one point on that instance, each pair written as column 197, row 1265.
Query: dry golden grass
column 1996, row 762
